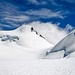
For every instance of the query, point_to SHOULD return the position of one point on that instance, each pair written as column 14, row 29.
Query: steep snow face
column 22, row 43
column 67, row 44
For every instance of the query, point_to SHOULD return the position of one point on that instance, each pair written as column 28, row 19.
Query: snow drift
column 67, row 45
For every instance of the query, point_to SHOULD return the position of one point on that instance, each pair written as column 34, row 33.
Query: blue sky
column 14, row 13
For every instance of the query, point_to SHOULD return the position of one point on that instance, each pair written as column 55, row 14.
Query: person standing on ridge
column 32, row 29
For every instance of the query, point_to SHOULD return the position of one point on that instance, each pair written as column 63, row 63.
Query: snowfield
column 38, row 67
column 23, row 52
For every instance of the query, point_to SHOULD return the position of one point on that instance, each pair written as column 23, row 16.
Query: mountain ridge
column 24, row 42
column 67, row 44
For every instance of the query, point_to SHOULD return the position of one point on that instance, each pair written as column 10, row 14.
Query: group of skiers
column 32, row 29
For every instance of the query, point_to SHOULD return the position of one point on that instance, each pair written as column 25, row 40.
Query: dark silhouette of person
column 32, row 29
column 36, row 32
column 42, row 36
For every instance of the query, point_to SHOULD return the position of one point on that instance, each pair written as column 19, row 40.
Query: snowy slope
column 19, row 48
column 67, row 45
column 52, row 33
column 22, row 43
column 38, row 67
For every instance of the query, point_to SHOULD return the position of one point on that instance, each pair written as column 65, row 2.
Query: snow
column 22, row 43
column 38, row 67
column 51, row 32
column 55, row 55
column 22, row 52
column 67, row 44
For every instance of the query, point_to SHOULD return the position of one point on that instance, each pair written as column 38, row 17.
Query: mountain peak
column 24, row 28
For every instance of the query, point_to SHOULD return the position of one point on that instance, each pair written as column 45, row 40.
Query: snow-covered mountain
column 23, row 43
column 27, row 43
column 19, row 47
column 66, row 46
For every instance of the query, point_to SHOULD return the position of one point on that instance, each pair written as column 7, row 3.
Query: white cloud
column 19, row 18
column 34, row 1
column 69, row 27
column 46, row 13
column 54, row 3
column 37, row 2
column 11, row 12
column 7, row 7
column 43, row 2
column 11, row 15
column 52, row 32
column 70, row 1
